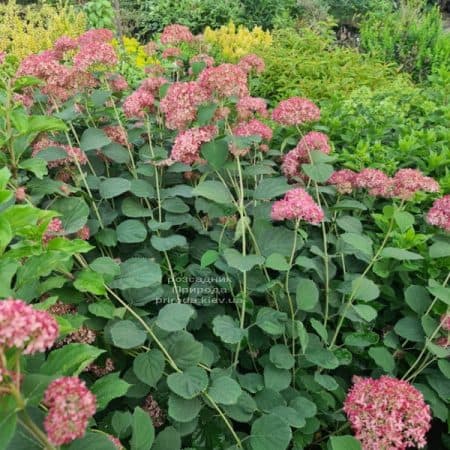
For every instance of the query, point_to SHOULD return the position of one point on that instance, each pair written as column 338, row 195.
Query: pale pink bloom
column 343, row 180
column 186, row 148
column 25, row 328
column 290, row 165
column 314, row 140
column 54, row 228
column 95, row 53
column 387, row 414
column 26, row 100
column 224, row 81
column 247, row 106
column 445, row 321
column 439, row 214
column 297, row 204
column 181, row 103
column 95, row 35
column 406, row 182
column 117, row 134
column 171, row 52
column 443, row 342
column 118, row 83
column 222, row 112
column 21, row 194
column 201, row 57
column 252, row 128
column 150, row 48
column 175, row 34
column 65, row 44
column 154, row 70
column 153, row 85
column 138, row 103
column 71, row 405
column 264, row 148
column 251, row 63
column 296, row 111
column 375, row 181
column 84, row 233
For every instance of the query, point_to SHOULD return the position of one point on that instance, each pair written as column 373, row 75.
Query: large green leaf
column 183, row 410
column 143, row 432
column 125, row 334
column 137, row 273
column 113, row 187
column 93, row 139
column 188, row 384
column 74, row 213
column 344, row 443
column 307, row 294
column 108, row 388
column 225, row 390
column 215, row 191
column 149, row 366
column 163, row 244
column 131, row 231
column 241, row 262
column 270, row 188
column 270, row 432
column 228, row 329
column 175, row 316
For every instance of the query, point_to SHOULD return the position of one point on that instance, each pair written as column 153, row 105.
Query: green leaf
column 143, row 432
column 276, row 261
column 350, row 224
column 113, row 187
column 271, row 321
column 361, row 339
column 184, row 349
column 132, row 207
column 92, row 441
column 117, row 153
column 439, row 291
column 404, row 220
column 270, row 432
column 167, row 439
column 319, row 172
column 74, row 213
column 228, row 329
column 289, row 415
column 137, row 273
column 365, row 289
column 225, row 390
column 102, row 308
column 215, row 191
column 417, row 298
column 149, row 366
column 359, row 243
column 108, row 388
column 326, row 381
column 90, row 281
column 366, row 312
column 270, row 188
column 163, row 244
column 183, row 410
column 243, row 263
column 8, row 420
column 125, row 334
column 131, row 231
column 440, row 248
column 175, row 205
column 6, row 234
column 188, row 384
column 382, row 358
column 344, row 443
column 305, row 408
column 205, row 112
column 322, row 357
column 93, row 139
column 281, row 357
column 175, row 316
column 209, row 257
column 35, row 165
column 216, row 153
column 106, row 266
column 410, row 328
column 142, row 189
column 399, row 254
column 70, row 360
column 307, row 294
column 275, row 378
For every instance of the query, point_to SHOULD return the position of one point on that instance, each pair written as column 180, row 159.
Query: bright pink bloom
column 71, row 405
column 251, row 63
column 297, row 204
column 439, row 214
column 387, row 414
column 117, row 134
column 84, row 233
column 445, row 321
column 25, row 328
column 175, row 34
column 95, row 53
column 95, row 35
column 186, row 148
column 181, row 103
column 171, row 52
column 54, row 228
column 375, row 181
column 344, row 180
column 314, row 140
column 247, row 106
column 224, row 81
column 138, row 103
column 296, row 111
column 406, row 182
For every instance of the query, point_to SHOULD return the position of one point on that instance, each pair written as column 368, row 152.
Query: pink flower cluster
column 186, row 148
column 84, row 233
column 252, row 128
column 297, row 204
column 117, row 134
column 225, row 80
column 252, row 62
column 25, row 328
column 54, row 228
column 296, row 111
column 117, row 83
column 171, row 52
column 73, row 153
column 439, row 214
column 445, row 322
column 181, row 102
column 71, row 405
column 175, row 34
column 404, row 184
column 204, row 58
column 314, row 140
column 387, row 414
column 247, row 106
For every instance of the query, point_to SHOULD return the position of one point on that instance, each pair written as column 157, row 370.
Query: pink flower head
column 93, row 53
column 224, row 81
column 247, row 106
column 251, row 63
column 445, row 321
column 95, row 35
column 118, row 83
column 439, row 214
column 407, row 182
column 150, row 48
column 71, row 405
column 154, row 70
column 21, row 194
column 73, row 153
column 54, row 228
column 297, row 204
column 387, row 414
column 25, row 328
column 443, row 342
column 314, row 140
column 175, row 34
column 375, row 181
column 290, row 165
column 252, row 128
column 84, row 233
column 65, row 44
column 296, row 111
column 181, row 102
column 171, row 52
column 138, row 103
column 153, row 85
column 207, row 60
column 117, row 134
column 344, row 180
column 26, row 99
column 186, row 148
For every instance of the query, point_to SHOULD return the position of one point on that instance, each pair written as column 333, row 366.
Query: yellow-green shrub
column 234, row 42
column 30, row 29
